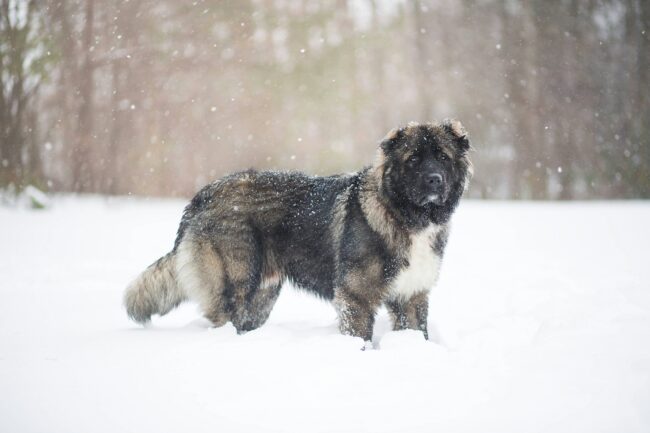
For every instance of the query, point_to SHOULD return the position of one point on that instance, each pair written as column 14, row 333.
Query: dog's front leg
column 356, row 313
column 410, row 313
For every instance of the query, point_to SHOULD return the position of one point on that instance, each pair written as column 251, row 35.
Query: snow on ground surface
column 541, row 323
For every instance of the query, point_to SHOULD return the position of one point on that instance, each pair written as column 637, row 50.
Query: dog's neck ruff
column 379, row 214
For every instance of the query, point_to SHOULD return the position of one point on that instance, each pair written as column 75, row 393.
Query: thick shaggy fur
column 361, row 240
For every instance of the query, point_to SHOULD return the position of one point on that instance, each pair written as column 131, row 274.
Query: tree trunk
column 518, row 39
column 83, row 178
column 66, row 89
column 12, row 169
column 422, row 70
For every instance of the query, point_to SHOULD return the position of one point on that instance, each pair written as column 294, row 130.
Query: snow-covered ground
column 541, row 323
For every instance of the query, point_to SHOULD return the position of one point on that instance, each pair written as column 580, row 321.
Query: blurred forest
column 158, row 97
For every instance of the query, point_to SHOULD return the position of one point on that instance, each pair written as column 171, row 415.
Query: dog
column 363, row 240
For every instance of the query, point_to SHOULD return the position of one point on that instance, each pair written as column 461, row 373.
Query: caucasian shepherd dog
column 360, row 240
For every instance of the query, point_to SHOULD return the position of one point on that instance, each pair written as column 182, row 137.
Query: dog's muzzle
column 433, row 189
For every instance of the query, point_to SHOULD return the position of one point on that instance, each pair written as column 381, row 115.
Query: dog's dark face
column 427, row 164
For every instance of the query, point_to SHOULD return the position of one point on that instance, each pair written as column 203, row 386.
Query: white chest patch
column 423, row 267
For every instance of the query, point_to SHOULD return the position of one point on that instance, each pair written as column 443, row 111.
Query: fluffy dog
column 361, row 240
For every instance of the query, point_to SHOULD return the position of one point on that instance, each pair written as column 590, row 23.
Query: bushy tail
column 155, row 291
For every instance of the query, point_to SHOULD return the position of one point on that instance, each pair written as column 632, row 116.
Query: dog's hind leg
column 241, row 251
column 223, row 273
column 200, row 271
column 261, row 303
column 262, row 295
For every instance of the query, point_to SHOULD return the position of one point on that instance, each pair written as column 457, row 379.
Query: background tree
column 160, row 97
column 24, row 56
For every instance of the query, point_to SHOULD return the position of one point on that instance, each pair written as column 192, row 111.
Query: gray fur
column 155, row 291
column 364, row 240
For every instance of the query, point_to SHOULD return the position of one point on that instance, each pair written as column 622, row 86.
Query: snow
column 541, row 322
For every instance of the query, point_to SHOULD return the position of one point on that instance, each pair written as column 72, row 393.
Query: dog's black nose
column 434, row 179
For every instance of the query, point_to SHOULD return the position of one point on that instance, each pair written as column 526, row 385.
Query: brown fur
column 360, row 240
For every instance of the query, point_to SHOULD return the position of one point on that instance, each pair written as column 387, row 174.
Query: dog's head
column 426, row 165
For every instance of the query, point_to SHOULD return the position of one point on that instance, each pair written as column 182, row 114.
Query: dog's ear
column 459, row 133
column 390, row 141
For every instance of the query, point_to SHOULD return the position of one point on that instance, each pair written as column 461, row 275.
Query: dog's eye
column 413, row 160
column 443, row 156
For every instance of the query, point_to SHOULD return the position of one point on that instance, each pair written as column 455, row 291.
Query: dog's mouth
column 433, row 198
